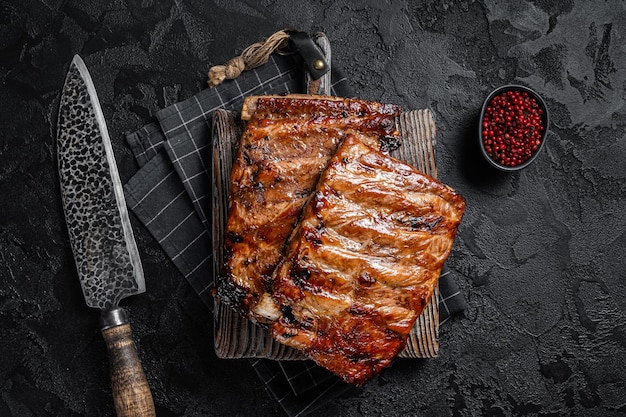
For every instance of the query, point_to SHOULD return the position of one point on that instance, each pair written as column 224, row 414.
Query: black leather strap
column 314, row 61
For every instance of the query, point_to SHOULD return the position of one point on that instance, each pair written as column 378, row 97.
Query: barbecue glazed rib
column 363, row 262
column 286, row 144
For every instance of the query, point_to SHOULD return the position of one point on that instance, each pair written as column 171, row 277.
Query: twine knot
column 253, row 56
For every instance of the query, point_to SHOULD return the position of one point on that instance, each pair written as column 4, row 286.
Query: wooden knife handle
column 131, row 392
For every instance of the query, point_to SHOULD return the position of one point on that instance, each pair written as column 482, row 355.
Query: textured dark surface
column 540, row 254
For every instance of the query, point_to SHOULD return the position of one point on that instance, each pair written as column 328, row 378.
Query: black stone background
column 539, row 256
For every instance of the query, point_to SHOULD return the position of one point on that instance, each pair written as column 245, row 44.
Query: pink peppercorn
column 512, row 127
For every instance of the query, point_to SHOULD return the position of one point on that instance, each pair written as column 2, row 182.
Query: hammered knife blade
column 101, row 236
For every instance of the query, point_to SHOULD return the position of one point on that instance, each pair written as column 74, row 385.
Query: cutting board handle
column 131, row 392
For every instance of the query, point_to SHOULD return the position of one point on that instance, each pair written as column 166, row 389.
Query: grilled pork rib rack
column 363, row 261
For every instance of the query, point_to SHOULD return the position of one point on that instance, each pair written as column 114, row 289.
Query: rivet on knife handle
column 131, row 392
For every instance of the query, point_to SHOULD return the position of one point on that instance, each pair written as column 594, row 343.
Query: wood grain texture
column 237, row 337
column 418, row 130
column 131, row 393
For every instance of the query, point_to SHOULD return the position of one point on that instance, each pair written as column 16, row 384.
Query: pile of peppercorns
column 512, row 127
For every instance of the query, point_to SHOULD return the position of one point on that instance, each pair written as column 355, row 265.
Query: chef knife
column 100, row 233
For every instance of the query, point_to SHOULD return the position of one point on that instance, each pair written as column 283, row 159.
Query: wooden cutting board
column 235, row 336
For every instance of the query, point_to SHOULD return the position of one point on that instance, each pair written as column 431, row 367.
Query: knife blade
column 101, row 236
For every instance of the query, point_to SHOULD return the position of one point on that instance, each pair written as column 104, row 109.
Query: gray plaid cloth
column 171, row 195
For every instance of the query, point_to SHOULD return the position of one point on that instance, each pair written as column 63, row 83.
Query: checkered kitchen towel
column 171, row 195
